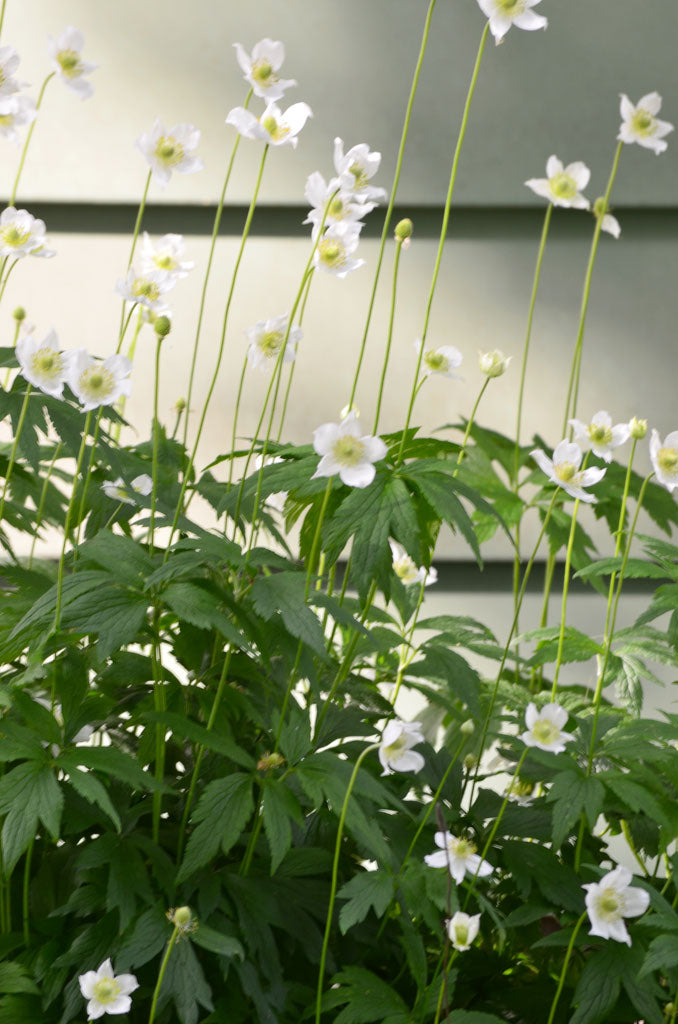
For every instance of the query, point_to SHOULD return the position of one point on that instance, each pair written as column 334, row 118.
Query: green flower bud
column 163, row 326
column 638, row 428
column 19, row 314
column 467, row 728
column 403, row 229
column 493, row 363
column 182, row 917
column 268, row 761
column 180, row 404
column 470, row 762
column 600, row 206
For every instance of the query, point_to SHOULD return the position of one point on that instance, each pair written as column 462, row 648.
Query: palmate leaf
column 222, row 813
column 366, row 890
column 28, row 793
column 284, row 593
column 366, row 999
column 572, row 792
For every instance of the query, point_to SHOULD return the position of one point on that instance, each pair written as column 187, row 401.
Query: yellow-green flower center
column 405, row 569
column 359, row 175
column 47, row 363
column 97, row 383
column 262, row 73
column 6, row 119
column 15, row 236
column 563, row 186
column 643, row 122
column 336, row 208
column 609, row 903
column 164, row 261
column 331, row 252
column 436, row 361
column 145, row 289
column 461, row 934
column 667, row 459
column 565, row 471
column 69, row 62
column 600, row 434
column 462, row 847
column 106, row 991
column 168, row 151
column 396, row 749
column 270, row 343
column 275, row 129
column 348, row 450
column 511, row 6
column 545, row 731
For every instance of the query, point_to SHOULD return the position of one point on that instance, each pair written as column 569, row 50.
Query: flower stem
column 389, row 338
column 67, row 524
column 161, row 972
column 563, row 611
column 404, row 660
column 443, row 228
column 25, row 907
column 394, row 190
column 43, row 498
column 8, row 371
column 290, row 377
column 563, row 973
column 469, row 425
column 6, row 278
column 15, row 448
column 573, row 386
column 130, row 355
column 335, row 874
column 156, row 444
column 29, row 136
column 208, row 271
column 2, row 14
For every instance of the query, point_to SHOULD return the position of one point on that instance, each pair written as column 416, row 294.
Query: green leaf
column 279, row 807
column 88, row 786
column 598, row 988
column 365, row 890
column 198, row 734
column 185, row 981
column 31, row 792
column 114, row 762
column 215, row 942
column 472, row 1017
column 222, row 813
column 122, row 556
column 284, row 592
column 636, row 568
column 145, row 940
column 572, row 792
column 636, row 796
column 662, row 954
column 200, row 606
column 367, row 999
column 14, row 978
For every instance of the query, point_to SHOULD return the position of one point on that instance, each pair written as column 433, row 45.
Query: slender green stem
column 67, row 524
column 8, row 371
column 160, row 704
column 123, row 328
column 404, row 659
column 140, row 217
column 563, row 611
column 620, row 534
column 14, row 449
column 156, row 444
column 131, row 351
column 394, row 190
column 236, row 412
column 41, row 503
column 2, row 14
column 443, row 229
column 469, row 425
column 222, row 345
column 161, row 973
column 6, row 278
column 389, row 337
column 573, row 386
column 29, row 136
column 335, row 875
column 26, row 917
column 208, row 270
column 290, row 377
column 88, row 477
column 566, row 962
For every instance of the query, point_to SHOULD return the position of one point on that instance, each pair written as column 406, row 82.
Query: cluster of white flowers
column 22, row 234
column 274, row 126
column 161, row 266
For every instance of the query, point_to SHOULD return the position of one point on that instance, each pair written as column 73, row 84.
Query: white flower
column 274, row 127
column 165, row 256
column 9, row 62
column 664, row 455
column 260, row 68
column 119, row 491
column 545, row 728
column 504, row 13
column 463, row 929
column 460, row 855
column 266, row 338
column 612, row 899
column 334, row 252
column 106, row 992
column 562, row 185
column 15, row 110
column 146, row 289
column 640, row 123
column 42, row 363
column 171, row 149
column 347, row 452
column 493, row 363
column 21, row 234
column 564, row 469
column 95, row 382
column 332, row 203
column 444, row 360
column 64, row 53
column 355, row 168
column 395, row 749
column 599, row 435
column 407, row 571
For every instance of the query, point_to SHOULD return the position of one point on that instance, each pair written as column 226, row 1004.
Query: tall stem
column 67, row 524
column 469, row 425
column 443, row 229
column 6, row 277
column 290, row 377
column 563, row 610
column 563, row 973
column 29, row 136
column 2, row 14
column 41, row 503
column 389, row 338
column 161, row 973
column 156, row 444
column 208, row 271
column 394, row 189
column 15, row 447
column 26, row 917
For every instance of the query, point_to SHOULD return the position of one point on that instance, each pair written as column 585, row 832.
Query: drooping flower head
column 64, row 53
column 640, row 123
column 9, row 62
column 164, row 256
column 332, row 203
column 599, row 435
column 494, row 363
column 147, row 290
column 546, row 728
column 171, row 149
column 15, row 111
column 266, row 338
column 21, row 234
column 505, row 13
column 356, row 168
column 405, row 569
column 564, row 470
column 459, row 854
column 444, row 360
column 95, row 382
column 42, row 363
column 664, row 455
column 261, row 66
column 463, row 930
column 395, row 749
column 120, row 491
column 612, row 899
column 334, row 251
column 106, row 992
column 347, row 451
column 563, row 186
column 274, row 127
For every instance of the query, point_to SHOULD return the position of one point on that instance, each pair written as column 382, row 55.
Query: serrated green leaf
column 88, row 786
column 572, row 793
column 15, row 978
column 222, row 813
column 114, row 762
column 215, row 942
column 662, row 954
column 368, row 999
column 279, row 807
column 144, row 940
column 199, row 606
column 284, row 592
column 366, row 890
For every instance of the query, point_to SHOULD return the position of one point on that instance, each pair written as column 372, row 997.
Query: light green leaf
column 215, row 942
column 284, row 592
column 368, row 889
